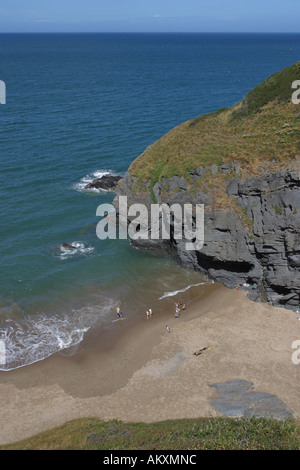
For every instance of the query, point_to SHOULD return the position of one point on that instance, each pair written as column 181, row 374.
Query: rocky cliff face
column 243, row 164
column 255, row 240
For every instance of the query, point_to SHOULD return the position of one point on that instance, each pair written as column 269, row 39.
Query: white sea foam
column 176, row 292
column 79, row 248
column 34, row 338
column 30, row 341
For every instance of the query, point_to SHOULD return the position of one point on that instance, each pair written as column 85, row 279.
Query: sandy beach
column 148, row 374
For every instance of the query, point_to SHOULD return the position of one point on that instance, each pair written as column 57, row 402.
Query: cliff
column 243, row 164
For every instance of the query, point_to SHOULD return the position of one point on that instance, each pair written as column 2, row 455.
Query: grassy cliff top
column 193, row 434
column 264, row 126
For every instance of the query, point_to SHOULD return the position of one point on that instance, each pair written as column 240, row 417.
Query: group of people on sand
column 177, row 308
column 149, row 313
column 245, row 284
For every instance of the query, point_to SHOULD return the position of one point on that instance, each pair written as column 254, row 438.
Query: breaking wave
column 176, row 292
column 33, row 338
column 73, row 249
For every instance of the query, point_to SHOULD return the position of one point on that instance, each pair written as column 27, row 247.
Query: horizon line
column 149, row 32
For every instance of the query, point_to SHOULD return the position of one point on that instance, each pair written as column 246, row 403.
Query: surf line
column 175, row 292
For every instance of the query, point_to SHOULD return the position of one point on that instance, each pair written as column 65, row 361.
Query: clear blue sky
column 150, row 15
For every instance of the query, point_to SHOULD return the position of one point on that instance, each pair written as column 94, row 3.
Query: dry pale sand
column 152, row 375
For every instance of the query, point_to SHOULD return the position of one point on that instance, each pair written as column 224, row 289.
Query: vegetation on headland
column 264, row 127
column 186, row 434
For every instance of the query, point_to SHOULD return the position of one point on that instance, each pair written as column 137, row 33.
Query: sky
column 149, row 16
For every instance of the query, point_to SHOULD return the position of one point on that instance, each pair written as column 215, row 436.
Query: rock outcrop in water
column 106, row 182
column 68, row 246
column 251, row 191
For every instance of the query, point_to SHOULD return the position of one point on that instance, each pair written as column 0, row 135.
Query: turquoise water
column 78, row 106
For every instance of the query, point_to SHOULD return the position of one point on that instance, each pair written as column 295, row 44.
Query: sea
column 79, row 106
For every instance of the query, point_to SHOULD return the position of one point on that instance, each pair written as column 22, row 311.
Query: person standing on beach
column 147, row 314
column 150, row 312
column 119, row 313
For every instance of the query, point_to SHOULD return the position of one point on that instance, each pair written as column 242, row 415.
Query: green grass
column 275, row 88
column 156, row 175
column 187, row 434
column 262, row 128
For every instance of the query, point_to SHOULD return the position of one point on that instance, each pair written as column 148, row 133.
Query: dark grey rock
column 106, row 182
column 237, row 399
column 225, row 168
column 264, row 252
column 68, row 246
column 214, row 169
column 199, row 171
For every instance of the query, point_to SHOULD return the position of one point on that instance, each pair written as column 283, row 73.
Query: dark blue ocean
column 77, row 106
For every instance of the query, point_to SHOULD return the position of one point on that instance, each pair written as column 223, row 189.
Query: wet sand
column 140, row 372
